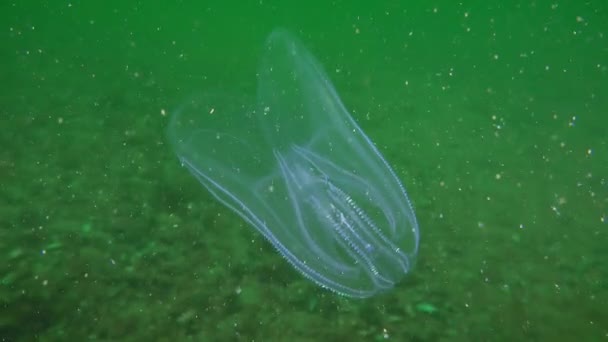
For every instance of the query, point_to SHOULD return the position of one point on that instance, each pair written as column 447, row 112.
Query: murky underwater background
column 493, row 116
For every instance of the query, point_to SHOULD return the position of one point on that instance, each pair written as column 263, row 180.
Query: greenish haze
column 493, row 114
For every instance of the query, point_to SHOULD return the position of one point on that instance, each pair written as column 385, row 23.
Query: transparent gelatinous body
column 295, row 165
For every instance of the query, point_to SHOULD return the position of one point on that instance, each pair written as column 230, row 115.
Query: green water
column 492, row 115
